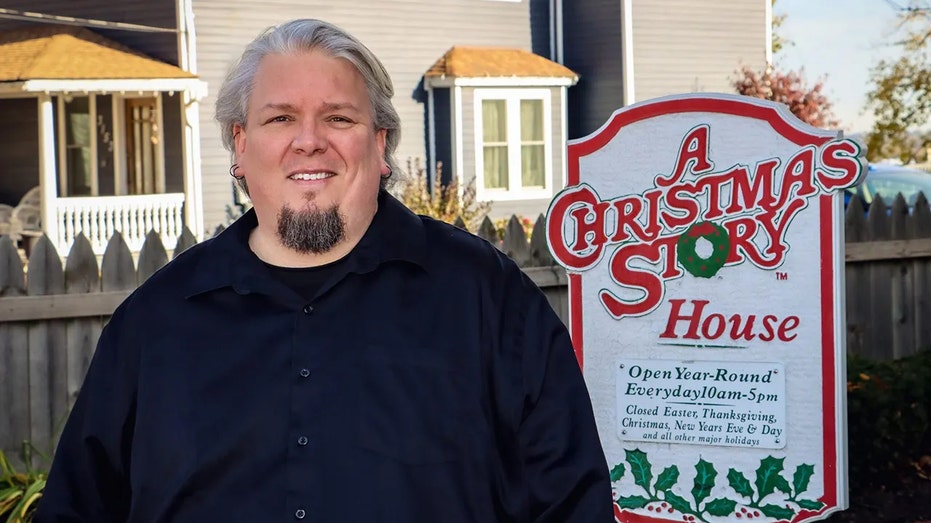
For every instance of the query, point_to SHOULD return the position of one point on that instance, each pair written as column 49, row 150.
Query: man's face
column 309, row 144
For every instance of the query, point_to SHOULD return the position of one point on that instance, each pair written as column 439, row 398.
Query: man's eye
column 280, row 118
column 340, row 119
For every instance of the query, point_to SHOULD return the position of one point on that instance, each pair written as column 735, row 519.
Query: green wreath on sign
column 689, row 258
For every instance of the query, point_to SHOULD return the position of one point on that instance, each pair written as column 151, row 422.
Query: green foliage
column 900, row 97
column 888, row 422
column 19, row 490
column 443, row 202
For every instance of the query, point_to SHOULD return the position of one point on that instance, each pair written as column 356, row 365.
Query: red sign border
column 592, row 143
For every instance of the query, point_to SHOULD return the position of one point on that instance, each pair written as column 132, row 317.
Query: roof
column 496, row 62
column 53, row 52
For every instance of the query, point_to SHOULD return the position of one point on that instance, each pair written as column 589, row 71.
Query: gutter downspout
column 627, row 55
column 190, row 118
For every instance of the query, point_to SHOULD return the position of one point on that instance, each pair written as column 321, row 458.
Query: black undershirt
column 306, row 281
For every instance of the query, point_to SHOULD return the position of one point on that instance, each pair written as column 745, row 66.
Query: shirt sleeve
column 89, row 478
column 564, row 464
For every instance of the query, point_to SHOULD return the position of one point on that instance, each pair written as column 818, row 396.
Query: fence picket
column 185, row 242
column 117, row 271
column 880, row 276
column 857, row 282
column 921, row 228
column 539, row 250
column 82, row 276
column 515, row 243
column 48, row 359
column 152, row 256
column 14, row 386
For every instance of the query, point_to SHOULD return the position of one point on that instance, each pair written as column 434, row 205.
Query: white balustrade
column 132, row 216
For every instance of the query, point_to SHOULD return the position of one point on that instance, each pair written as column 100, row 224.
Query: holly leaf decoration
column 740, row 483
column 721, row 507
column 640, row 467
column 766, row 476
column 782, row 485
column 777, row 512
column 810, row 504
column 632, row 501
column 803, row 474
column 617, row 472
column 677, row 502
column 704, row 481
column 667, row 478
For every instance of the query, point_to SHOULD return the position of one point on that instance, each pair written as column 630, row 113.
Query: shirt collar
column 395, row 234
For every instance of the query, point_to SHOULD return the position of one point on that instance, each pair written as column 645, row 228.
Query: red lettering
column 675, row 317
column 693, row 156
column 754, row 191
column 745, row 332
column 589, row 232
column 768, row 332
column 799, row 172
column 687, row 204
column 741, row 232
column 786, row 327
column 840, row 157
column 558, row 214
column 648, row 282
column 628, row 209
column 713, row 332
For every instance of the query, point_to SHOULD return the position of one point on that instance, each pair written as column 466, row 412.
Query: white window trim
column 515, row 191
column 62, row 149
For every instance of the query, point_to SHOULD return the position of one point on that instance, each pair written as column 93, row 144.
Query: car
column 886, row 181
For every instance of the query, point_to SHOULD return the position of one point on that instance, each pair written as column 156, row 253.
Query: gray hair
column 299, row 36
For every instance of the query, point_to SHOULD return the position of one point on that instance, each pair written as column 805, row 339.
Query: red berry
column 650, row 507
column 670, row 510
column 739, row 515
column 756, row 513
column 743, row 509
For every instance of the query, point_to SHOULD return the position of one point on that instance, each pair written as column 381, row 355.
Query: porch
column 96, row 146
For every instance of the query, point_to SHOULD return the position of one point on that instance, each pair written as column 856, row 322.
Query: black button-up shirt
column 427, row 381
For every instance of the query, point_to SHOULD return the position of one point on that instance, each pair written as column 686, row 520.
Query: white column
column 47, row 172
column 193, row 184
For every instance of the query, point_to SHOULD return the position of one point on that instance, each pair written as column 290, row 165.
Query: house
column 102, row 123
column 493, row 89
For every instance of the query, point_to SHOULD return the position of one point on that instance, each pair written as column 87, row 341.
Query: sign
column 704, row 243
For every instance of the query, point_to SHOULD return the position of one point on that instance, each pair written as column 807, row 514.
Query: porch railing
column 133, row 216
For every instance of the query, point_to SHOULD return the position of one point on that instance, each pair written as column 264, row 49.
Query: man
column 330, row 356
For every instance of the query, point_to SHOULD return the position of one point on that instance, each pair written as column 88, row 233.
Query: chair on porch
column 33, row 198
column 6, row 222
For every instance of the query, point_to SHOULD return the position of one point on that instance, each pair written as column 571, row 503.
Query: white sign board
column 703, row 239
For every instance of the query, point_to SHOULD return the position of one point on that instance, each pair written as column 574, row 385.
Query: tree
column 808, row 104
column 900, row 97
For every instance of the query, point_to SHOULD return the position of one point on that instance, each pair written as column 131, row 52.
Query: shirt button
column 305, row 373
column 299, row 513
column 308, row 309
column 302, row 440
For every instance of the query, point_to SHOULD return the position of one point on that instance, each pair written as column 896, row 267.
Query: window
column 91, row 162
column 142, row 145
column 79, row 176
column 513, row 143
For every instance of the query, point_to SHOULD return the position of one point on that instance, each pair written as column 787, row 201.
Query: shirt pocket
column 412, row 411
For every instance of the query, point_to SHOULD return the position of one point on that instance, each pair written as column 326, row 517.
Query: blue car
column 887, row 181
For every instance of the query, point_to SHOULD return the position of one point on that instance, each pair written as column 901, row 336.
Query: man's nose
column 310, row 138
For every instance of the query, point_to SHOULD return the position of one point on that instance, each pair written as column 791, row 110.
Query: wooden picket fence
column 50, row 321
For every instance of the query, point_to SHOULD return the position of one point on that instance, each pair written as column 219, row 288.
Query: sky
column 839, row 41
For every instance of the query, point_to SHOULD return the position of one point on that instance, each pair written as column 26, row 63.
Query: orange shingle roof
column 74, row 53
column 475, row 62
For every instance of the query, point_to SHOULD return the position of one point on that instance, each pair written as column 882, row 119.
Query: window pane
column 494, row 121
column 78, row 146
column 496, row 167
column 531, row 120
column 142, row 145
column 532, row 161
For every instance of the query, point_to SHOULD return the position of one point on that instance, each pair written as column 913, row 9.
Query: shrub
column 19, row 491
column 443, row 202
column 888, row 422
